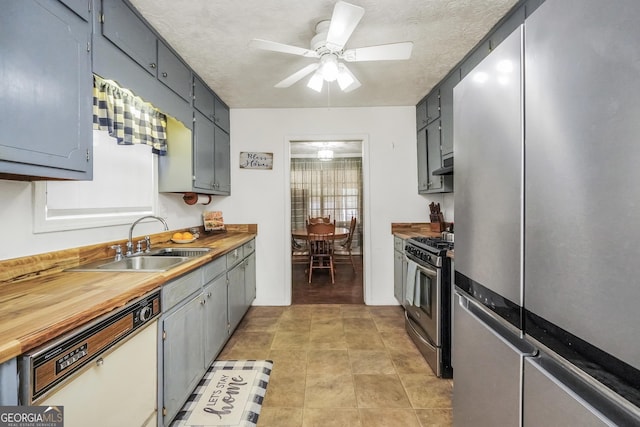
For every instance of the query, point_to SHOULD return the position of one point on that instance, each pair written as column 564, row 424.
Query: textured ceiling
column 213, row 37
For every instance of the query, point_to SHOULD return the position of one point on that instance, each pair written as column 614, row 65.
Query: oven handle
column 430, row 271
column 409, row 322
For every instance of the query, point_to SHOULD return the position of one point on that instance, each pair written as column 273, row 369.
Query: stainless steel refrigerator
column 547, row 147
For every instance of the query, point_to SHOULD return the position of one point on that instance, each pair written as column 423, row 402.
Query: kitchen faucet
column 130, row 241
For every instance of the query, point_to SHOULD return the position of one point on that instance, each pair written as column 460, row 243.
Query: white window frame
column 48, row 220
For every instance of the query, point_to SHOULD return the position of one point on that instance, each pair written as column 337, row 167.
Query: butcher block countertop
column 407, row 230
column 39, row 301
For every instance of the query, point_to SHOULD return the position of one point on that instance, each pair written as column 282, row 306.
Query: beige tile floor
column 340, row 365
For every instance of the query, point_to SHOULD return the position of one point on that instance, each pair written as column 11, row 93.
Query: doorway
column 326, row 180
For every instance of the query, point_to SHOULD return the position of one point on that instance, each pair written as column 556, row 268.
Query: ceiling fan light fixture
column 316, row 81
column 344, row 77
column 329, row 67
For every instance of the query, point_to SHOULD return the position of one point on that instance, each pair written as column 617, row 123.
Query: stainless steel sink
column 188, row 252
column 158, row 260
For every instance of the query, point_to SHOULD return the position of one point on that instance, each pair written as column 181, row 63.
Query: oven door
column 425, row 310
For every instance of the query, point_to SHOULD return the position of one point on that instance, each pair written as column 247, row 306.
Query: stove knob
column 145, row 313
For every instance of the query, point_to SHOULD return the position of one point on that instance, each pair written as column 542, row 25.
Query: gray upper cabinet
column 173, row 72
column 428, row 109
column 221, row 114
column 423, row 173
column 125, row 29
column 203, row 153
column 208, row 103
column 222, row 172
column 211, row 151
column 203, row 98
column 45, row 79
column 434, row 157
column 80, row 7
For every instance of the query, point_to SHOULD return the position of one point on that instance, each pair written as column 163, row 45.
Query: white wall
column 259, row 196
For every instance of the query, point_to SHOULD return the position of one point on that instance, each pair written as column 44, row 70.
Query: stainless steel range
column 427, row 300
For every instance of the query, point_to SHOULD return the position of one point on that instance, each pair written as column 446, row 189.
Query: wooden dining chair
column 342, row 253
column 319, row 219
column 299, row 252
column 321, row 237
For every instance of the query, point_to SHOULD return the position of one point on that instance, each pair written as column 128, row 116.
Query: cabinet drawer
column 398, row 243
column 177, row 290
column 249, row 247
column 213, row 269
column 234, row 257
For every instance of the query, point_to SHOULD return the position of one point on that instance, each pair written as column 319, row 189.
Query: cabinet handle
column 164, row 74
column 152, row 65
column 100, row 362
column 203, row 302
column 209, row 295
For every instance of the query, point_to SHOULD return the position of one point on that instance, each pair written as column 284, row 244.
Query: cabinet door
column 127, row 31
column 80, row 7
column 433, row 105
column 222, row 165
column 216, row 330
column 203, row 152
column 446, row 113
column 250, row 279
column 236, row 295
column 423, row 173
column 173, row 72
column 203, row 98
column 421, row 114
column 45, row 82
column 221, row 114
column 398, row 276
column 434, row 156
column 183, row 351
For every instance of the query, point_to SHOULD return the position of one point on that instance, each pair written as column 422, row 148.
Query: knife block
column 437, row 226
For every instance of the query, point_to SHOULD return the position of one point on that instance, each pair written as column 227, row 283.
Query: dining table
column 301, row 233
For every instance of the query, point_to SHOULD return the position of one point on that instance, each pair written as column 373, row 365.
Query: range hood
column 446, row 169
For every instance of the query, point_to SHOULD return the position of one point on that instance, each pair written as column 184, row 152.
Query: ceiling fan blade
column 293, row 78
column 344, row 20
column 350, row 83
column 284, row 48
column 383, row 52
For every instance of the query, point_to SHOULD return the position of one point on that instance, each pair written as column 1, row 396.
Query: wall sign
column 251, row 160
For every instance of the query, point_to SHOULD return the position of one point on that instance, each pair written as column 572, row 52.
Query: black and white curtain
column 127, row 117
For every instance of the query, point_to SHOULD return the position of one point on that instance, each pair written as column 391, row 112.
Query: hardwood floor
column 347, row 288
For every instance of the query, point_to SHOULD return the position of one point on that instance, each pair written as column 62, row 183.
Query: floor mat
column 230, row 394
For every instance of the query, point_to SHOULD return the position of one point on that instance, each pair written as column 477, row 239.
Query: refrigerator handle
column 495, row 326
column 586, row 389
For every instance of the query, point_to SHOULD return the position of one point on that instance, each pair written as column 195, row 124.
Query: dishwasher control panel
column 42, row 369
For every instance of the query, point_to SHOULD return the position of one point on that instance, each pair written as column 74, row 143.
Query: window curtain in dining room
column 127, row 117
column 323, row 188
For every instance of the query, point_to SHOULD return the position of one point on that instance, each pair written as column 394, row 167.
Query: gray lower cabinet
column 9, row 382
column 236, row 295
column 200, row 311
column 399, row 269
column 250, row 279
column 183, row 354
column 46, row 104
column 216, row 331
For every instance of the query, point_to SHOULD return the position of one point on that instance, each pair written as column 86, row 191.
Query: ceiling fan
column 328, row 46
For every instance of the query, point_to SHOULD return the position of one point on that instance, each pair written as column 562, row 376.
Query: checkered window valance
column 127, row 117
